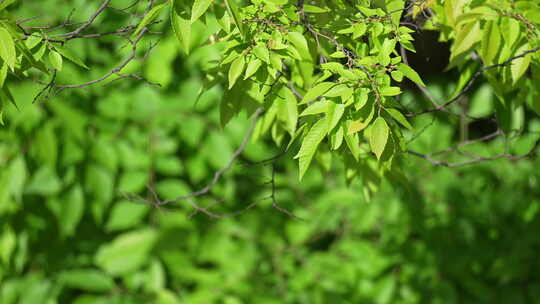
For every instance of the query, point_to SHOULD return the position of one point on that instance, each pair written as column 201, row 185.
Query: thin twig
column 89, row 22
column 219, row 173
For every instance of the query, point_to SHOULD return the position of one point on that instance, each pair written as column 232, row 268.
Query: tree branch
column 218, row 174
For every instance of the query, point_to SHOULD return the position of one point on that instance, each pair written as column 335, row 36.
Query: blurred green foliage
column 69, row 233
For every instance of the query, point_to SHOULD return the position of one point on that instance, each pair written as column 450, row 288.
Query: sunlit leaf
column 199, row 8
column 334, row 113
column 72, row 211
column 300, row 43
column 67, row 54
column 314, row 9
column 148, row 18
column 6, row 3
column 466, row 37
column 261, row 51
column 127, row 252
column 55, row 59
column 490, row 42
column 390, row 91
column 252, row 67
column 411, row 74
column 236, row 69
column 316, row 108
column 399, row 117
column 181, row 27
column 520, row 65
column 287, row 110
column 7, row 48
column 379, row 136
column 232, row 8
column 309, row 145
column 86, row 279
column 317, row 91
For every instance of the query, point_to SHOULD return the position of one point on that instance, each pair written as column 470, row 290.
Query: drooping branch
column 80, row 32
column 471, row 81
column 218, row 175
column 476, row 160
column 87, row 23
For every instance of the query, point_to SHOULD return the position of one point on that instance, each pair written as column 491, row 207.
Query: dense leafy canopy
column 332, row 84
column 326, row 72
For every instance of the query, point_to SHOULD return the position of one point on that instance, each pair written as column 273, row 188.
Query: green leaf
column 6, row 3
column 337, row 54
column 32, row 41
column 252, row 68
column 8, row 242
column 5, row 94
column 171, row 188
column 235, row 70
column 316, row 108
column 379, row 136
column 390, row 91
column 519, row 66
column 490, row 42
column 40, row 52
column 334, row 113
column 410, row 73
column 475, row 14
column 43, row 182
column 359, row 29
column 127, row 252
column 56, row 60
column 317, row 91
column 99, row 185
column 395, row 8
column 481, row 101
column 199, row 8
column 86, row 279
column 150, row 16
column 126, row 215
column 352, row 140
column 36, row 291
column 231, row 102
column 155, row 276
column 386, row 49
column 17, row 176
column 314, row 9
column 67, row 54
column 72, row 211
column 171, row 165
column 287, row 110
column 7, row 48
column 337, row 138
column 533, row 14
column 359, row 125
column 300, row 43
column 399, row 117
column 3, row 73
column 338, row 90
column 232, row 9
column 261, row 51
column 511, row 30
column 275, row 60
column 132, row 181
column 466, row 37
column 310, row 143
column 165, row 296
column 397, row 75
column 181, row 28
